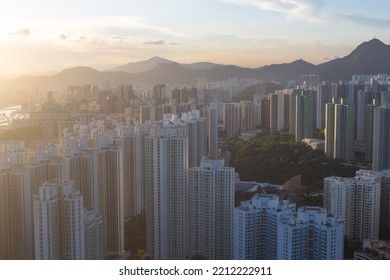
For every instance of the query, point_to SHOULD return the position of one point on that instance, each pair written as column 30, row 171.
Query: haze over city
column 41, row 36
column 208, row 130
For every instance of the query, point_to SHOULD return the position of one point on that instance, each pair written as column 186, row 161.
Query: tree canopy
column 278, row 157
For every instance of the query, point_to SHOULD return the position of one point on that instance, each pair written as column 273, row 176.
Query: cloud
column 126, row 24
column 62, row 37
column 310, row 10
column 365, row 21
column 313, row 11
column 156, row 43
column 22, row 32
column 326, row 58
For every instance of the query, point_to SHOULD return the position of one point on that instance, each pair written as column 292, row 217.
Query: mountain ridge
column 371, row 57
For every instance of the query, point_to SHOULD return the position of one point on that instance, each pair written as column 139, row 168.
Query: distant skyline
column 40, row 36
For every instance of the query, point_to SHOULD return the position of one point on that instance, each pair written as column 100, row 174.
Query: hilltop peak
column 141, row 66
column 157, row 59
column 370, row 45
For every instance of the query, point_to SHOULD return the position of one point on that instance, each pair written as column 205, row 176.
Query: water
column 9, row 110
column 10, row 113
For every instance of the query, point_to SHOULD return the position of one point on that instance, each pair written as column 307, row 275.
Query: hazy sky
column 37, row 36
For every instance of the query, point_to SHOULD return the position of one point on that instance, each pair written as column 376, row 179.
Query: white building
column 133, row 161
column 253, row 222
column 59, row 222
column 265, row 228
column 196, row 131
column 357, row 201
column 166, row 168
column 94, row 240
column 210, row 210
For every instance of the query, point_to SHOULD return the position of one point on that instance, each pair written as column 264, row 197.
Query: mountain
column 370, row 57
column 200, row 65
column 286, row 71
column 79, row 75
column 177, row 73
column 141, row 66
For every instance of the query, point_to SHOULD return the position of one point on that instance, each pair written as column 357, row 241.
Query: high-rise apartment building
column 253, row 222
column 231, row 119
column 361, row 104
column 381, row 138
column 59, row 222
column 340, row 130
column 113, row 216
column 210, row 210
column 385, row 202
column 4, row 208
column 369, row 132
column 301, row 118
column 273, row 119
column 324, row 96
column 94, row 239
column 357, row 201
column 247, row 109
column 265, row 228
column 195, row 128
column 133, row 168
column 265, row 113
column 20, row 221
column 213, row 129
column 93, row 171
column 166, row 168
column 339, row 200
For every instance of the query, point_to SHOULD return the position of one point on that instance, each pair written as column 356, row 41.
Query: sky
column 51, row 35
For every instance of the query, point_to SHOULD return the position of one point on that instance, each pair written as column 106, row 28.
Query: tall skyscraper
column 301, row 114
column 213, row 129
column 20, row 221
column 114, row 217
column 324, row 96
column 381, row 138
column 339, row 200
column 4, row 208
column 210, row 210
column 340, row 130
column 59, row 222
column 102, row 183
column 159, row 93
column 273, row 112
column 281, row 110
column 195, row 128
column 133, row 167
column 265, row 113
column 247, row 115
column 369, row 132
column 361, row 104
column 93, row 178
column 231, row 119
column 166, row 168
column 367, row 209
